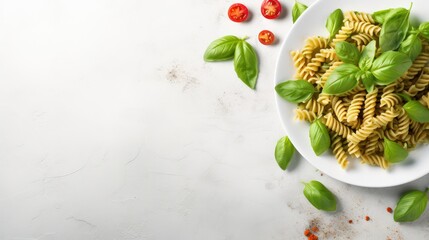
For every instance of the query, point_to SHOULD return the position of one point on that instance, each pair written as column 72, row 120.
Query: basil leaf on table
column 334, row 22
column 319, row 137
column 297, row 10
column 319, row 196
column 382, row 15
column 394, row 29
column 367, row 57
column 393, row 152
column 410, row 206
column 412, row 46
column 246, row 63
column 295, row 91
column 342, row 79
column 221, row 49
column 284, row 152
column 390, row 66
column 416, row 111
column 347, row 52
column 368, row 81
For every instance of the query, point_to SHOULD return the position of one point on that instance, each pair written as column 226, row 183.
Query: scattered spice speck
column 350, row 221
column 315, row 229
column 307, row 232
column 312, row 237
column 367, row 218
column 389, row 210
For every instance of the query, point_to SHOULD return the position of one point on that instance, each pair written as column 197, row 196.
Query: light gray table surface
column 113, row 127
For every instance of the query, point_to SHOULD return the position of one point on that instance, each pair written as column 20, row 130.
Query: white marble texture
column 114, row 128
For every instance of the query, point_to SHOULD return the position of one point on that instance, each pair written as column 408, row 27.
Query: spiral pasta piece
column 417, row 66
column 343, row 34
column 338, row 150
column 324, row 99
column 389, row 98
column 339, row 108
column 355, row 107
column 425, row 100
column 370, row 103
column 421, row 83
column 315, row 63
column 358, row 17
column 403, row 123
column 365, row 27
column 313, row 45
column 303, row 114
column 362, row 39
column 375, row 160
column 336, row 126
column 372, row 142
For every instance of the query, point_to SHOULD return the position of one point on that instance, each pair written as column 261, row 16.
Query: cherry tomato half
column 238, row 12
column 271, row 9
column 266, row 37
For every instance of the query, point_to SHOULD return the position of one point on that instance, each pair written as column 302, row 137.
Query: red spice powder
column 315, row 229
column 367, row 218
column 389, row 210
column 312, row 237
column 307, row 232
column 350, row 221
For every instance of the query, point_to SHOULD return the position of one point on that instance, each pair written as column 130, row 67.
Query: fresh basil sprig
column 319, row 137
column 246, row 63
column 334, row 22
column 284, row 152
column 410, row 206
column 245, row 59
column 347, row 52
column 424, row 29
column 368, row 81
column 416, row 111
column 295, row 91
column 367, row 57
column 319, row 196
column 382, row 15
column 389, row 66
column 393, row 152
column 411, row 46
column 342, row 79
column 395, row 28
column 297, row 10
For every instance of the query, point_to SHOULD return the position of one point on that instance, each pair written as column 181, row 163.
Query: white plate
column 312, row 23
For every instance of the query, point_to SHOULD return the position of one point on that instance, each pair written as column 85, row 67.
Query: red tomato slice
column 271, row 9
column 266, row 37
column 238, row 12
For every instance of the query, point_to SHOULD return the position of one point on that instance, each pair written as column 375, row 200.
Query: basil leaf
column 393, row 152
column 382, row 15
column 221, row 49
column 347, row 52
column 284, row 152
column 295, row 91
column 319, row 137
column 394, row 30
column 334, row 22
column 412, row 46
column 410, row 206
column 416, row 111
column 424, row 29
column 342, row 79
column 390, row 66
column 367, row 57
column 319, row 196
column 368, row 81
column 246, row 63
column 297, row 10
